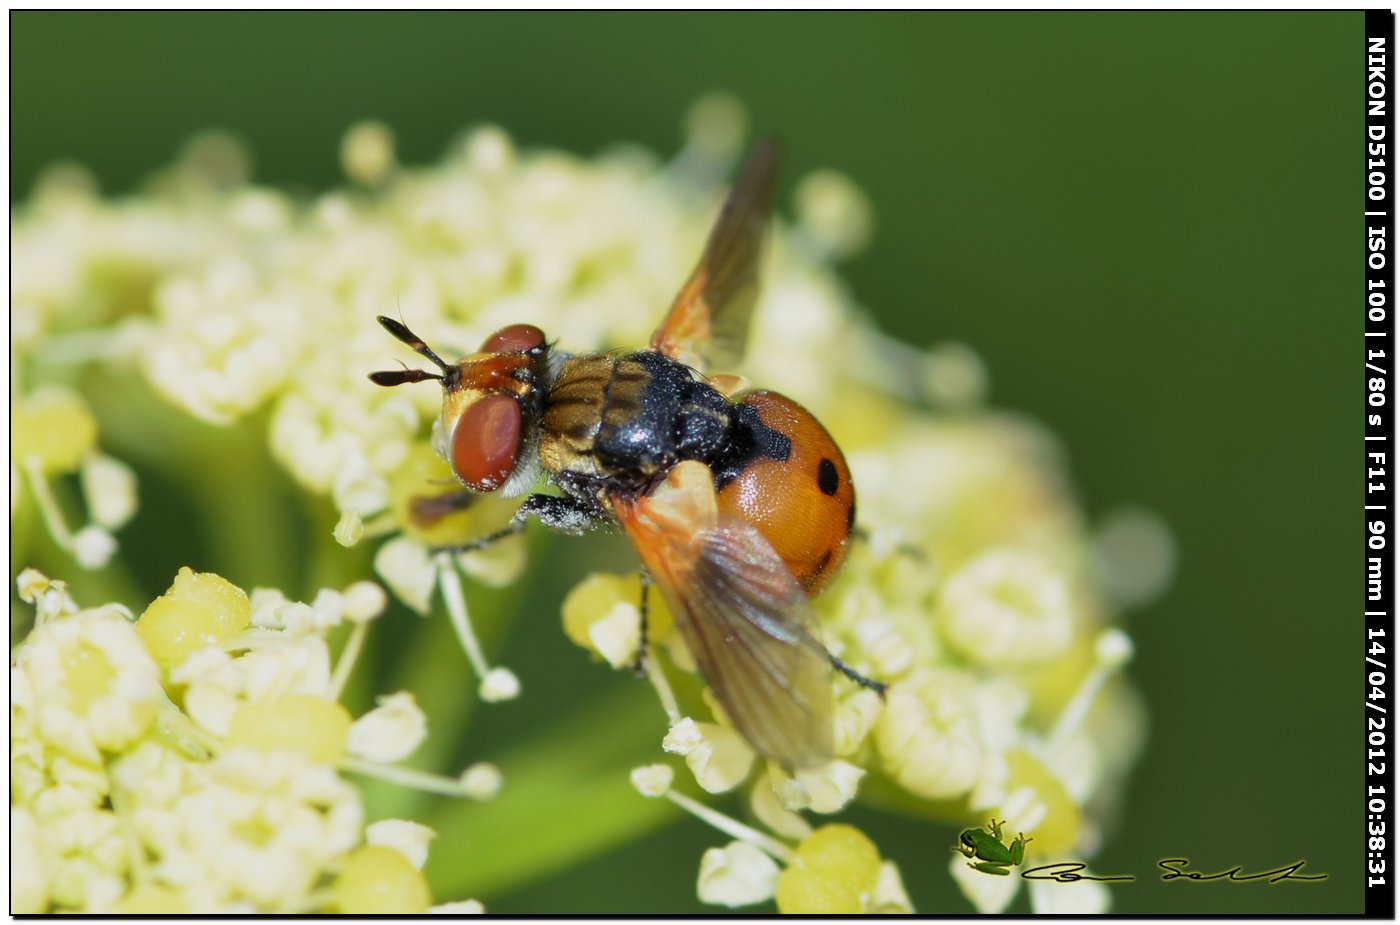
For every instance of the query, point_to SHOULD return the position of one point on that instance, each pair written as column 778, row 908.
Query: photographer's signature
column 988, row 852
column 1174, row 869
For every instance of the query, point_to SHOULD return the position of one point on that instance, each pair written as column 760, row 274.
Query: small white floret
column 367, row 153
column 834, row 213
column 955, row 376
column 482, row 781
column 349, row 529
column 391, row 731
column 109, row 488
column 682, row 738
column 736, row 875
column 653, row 780
column 490, row 150
column 364, row 600
column 30, row 584
column 1134, row 557
column 408, row 571
column 721, row 760
column 330, row 604
column 265, row 604
column 408, row 838
column 93, row 547
column 717, row 123
column 616, row 634
column 1113, row 648
column 499, row 684
column 299, row 619
column 827, row 789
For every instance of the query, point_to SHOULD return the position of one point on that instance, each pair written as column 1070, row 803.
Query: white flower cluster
column 190, row 761
column 975, row 589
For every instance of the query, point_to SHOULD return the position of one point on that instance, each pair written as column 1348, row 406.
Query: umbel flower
column 213, row 306
column 192, row 759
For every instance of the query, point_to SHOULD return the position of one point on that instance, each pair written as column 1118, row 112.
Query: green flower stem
column 733, row 828
column 48, row 505
column 345, row 662
column 657, row 677
column 405, row 777
column 450, row 581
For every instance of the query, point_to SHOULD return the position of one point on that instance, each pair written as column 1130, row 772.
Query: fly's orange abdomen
column 796, row 490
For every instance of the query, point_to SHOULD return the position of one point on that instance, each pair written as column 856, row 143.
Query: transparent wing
column 748, row 623
column 708, row 324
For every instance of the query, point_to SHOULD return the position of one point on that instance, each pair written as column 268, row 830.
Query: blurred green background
column 1146, row 223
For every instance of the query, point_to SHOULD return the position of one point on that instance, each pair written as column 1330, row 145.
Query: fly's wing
column 708, row 324
column 746, row 621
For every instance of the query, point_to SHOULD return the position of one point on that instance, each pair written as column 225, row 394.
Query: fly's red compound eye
column 486, row 441
column 514, row 338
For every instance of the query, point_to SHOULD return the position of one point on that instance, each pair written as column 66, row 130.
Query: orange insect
column 738, row 503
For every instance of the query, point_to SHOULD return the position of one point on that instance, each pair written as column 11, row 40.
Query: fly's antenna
column 400, row 376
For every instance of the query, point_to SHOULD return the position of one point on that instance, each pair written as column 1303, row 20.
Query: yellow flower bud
column 53, row 426
column 380, row 881
column 836, row 868
column 200, row 609
column 304, row 723
column 367, row 153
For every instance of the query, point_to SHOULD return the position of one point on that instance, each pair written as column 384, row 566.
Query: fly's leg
column 876, row 686
column 562, row 513
column 639, row 664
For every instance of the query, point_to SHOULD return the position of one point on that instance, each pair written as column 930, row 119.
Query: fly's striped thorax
column 573, row 415
column 629, row 418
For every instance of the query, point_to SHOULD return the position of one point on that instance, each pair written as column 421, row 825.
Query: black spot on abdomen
column 827, row 479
